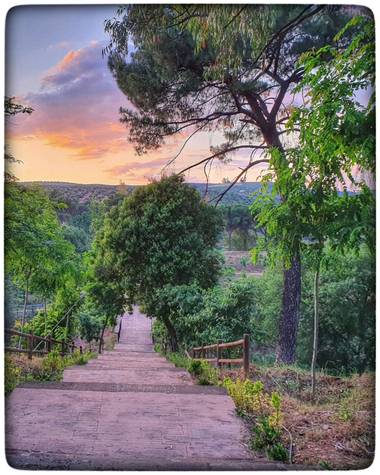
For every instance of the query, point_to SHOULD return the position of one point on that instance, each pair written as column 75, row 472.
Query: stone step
column 123, row 426
column 119, row 387
column 115, row 367
column 131, row 375
column 41, row 461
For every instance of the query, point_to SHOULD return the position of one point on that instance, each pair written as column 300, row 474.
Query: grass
column 203, row 373
column 19, row 369
column 335, row 429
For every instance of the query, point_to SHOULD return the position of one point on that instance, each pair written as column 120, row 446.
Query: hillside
column 84, row 194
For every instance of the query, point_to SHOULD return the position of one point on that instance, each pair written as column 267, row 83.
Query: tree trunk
column 291, row 299
column 173, row 341
column 102, row 336
column 316, row 327
column 26, row 294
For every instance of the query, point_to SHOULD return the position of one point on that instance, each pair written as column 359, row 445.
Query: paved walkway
column 129, row 409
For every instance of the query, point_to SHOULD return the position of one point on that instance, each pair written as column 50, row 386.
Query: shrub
column 250, row 398
column 195, row 367
column 205, row 374
column 11, row 376
column 179, row 360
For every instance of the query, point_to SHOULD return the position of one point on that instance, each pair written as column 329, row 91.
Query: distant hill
column 82, row 194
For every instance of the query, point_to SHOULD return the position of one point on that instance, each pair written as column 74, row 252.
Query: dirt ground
column 336, row 429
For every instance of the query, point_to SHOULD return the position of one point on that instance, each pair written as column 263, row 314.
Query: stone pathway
column 129, row 409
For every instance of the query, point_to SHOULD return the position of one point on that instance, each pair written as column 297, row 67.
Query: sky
column 54, row 64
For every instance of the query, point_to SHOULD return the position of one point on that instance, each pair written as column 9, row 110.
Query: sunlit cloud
column 76, row 107
column 76, row 120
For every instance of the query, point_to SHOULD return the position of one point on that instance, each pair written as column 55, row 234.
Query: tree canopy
column 162, row 234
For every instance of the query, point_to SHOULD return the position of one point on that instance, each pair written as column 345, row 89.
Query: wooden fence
column 213, row 353
column 65, row 347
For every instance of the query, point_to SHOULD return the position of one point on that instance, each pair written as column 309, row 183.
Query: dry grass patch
column 335, row 430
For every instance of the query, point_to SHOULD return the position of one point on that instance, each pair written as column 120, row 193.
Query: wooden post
column 49, row 344
column 72, row 347
column 30, row 346
column 218, row 353
column 81, row 350
column 202, row 352
column 246, row 355
column 63, row 348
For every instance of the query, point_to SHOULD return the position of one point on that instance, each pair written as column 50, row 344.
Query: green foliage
column 12, row 375
column 205, row 316
column 325, row 465
column 251, row 399
column 347, row 313
column 195, row 367
column 239, row 226
column 268, row 437
column 90, row 323
column 179, row 54
column 248, row 396
column 67, row 302
column 162, row 235
column 204, row 373
column 49, row 368
column 179, row 360
column 35, row 245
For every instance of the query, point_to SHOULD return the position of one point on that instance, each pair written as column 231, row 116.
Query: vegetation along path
column 127, row 409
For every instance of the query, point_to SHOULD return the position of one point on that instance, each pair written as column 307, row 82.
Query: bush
column 248, row 396
column 251, row 400
column 12, row 375
column 347, row 314
column 49, row 368
column 204, row 373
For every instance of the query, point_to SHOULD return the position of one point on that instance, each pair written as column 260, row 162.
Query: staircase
column 128, row 409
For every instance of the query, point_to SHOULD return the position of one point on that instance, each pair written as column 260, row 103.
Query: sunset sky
column 54, row 64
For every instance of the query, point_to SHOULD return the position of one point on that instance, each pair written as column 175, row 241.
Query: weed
column 179, row 360
column 249, row 397
column 49, row 368
column 325, row 465
column 11, row 376
column 349, row 405
column 195, row 367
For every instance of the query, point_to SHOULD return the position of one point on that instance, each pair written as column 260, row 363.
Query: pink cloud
column 76, row 107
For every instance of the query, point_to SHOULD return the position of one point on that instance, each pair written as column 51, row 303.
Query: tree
column 162, row 234
column 37, row 257
column 219, row 68
column 238, row 219
column 336, row 135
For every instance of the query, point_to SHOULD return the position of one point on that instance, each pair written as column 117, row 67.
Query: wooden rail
column 205, row 353
column 65, row 346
